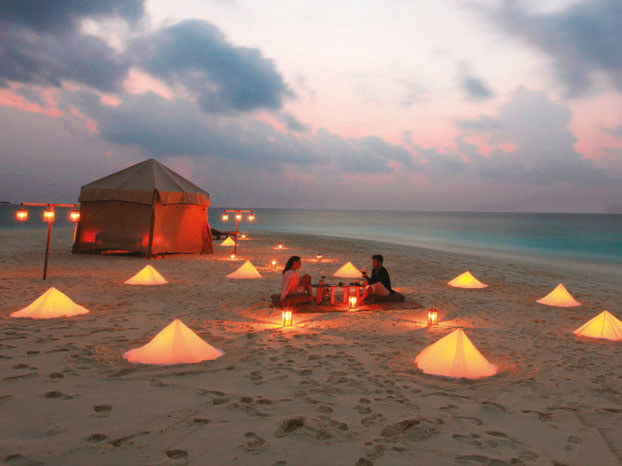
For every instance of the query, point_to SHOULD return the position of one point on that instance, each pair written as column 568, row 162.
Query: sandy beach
column 335, row 389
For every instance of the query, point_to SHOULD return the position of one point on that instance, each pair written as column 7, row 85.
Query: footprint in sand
column 372, row 420
column 55, row 394
column 102, row 410
column 177, row 454
column 253, row 442
column 94, row 438
column 493, row 406
column 56, row 375
column 470, row 439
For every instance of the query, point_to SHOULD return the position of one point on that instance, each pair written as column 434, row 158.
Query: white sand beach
column 335, row 389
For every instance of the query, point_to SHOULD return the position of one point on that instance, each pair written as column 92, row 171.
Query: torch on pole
column 49, row 215
column 238, row 216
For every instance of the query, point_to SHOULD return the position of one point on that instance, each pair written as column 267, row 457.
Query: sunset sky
column 394, row 104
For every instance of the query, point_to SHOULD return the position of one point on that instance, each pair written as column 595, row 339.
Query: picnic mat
column 395, row 302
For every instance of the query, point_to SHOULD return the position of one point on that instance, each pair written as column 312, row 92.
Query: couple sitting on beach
column 297, row 290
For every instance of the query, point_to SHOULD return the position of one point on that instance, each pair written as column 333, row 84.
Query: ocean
column 590, row 239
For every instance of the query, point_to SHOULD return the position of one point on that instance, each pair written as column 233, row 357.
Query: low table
column 321, row 289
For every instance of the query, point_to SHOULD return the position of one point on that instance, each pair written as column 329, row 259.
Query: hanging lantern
column 238, row 217
column 232, row 257
column 274, row 263
column 279, row 246
column 74, row 216
column 21, row 215
column 243, row 235
column 251, row 217
column 319, row 257
column 286, row 316
column 432, row 317
column 48, row 215
column 225, row 217
column 352, row 301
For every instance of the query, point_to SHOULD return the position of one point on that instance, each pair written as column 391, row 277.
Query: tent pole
column 153, row 201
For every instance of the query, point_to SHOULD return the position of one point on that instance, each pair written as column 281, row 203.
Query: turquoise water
column 589, row 238
column 594, row 238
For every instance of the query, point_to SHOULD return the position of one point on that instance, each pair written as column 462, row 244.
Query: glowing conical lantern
column 455, row 356
column 147, row 276
column 246, row 270
column 348, row 270
column 466, row 280
column 175, row 344
column 559, row 297
column 228, row 242
column 50, row 305
column 604, row 325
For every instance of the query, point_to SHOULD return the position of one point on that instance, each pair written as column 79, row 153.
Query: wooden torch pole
column 47, row 247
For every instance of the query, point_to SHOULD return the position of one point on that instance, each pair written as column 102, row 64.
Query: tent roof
column 140, row 183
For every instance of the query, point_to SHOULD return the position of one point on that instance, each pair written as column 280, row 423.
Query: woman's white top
column 289, row 283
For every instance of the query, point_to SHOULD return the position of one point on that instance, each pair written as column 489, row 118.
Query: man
column 379, row 284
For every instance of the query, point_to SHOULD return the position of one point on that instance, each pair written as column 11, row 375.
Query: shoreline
column 560, row 265
column 341, row 388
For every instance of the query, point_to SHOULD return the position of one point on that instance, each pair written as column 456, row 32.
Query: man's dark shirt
column 380, row 275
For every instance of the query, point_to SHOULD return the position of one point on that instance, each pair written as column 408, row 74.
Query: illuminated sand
column 604, row 326
column 559, row 297
column 456, row 356
column 466, row 280
column 50, row 305
column 147, row 276
column 333, row 388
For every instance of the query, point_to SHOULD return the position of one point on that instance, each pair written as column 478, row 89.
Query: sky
column 465, row 105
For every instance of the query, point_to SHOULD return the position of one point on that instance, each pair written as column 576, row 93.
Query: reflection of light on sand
column 228, row 259
column 324, row 260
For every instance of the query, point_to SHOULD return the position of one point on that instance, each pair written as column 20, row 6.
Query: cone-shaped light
column 147, row 276
column 175, row 344
column 228, row 242
column 455, row 356
column 246, row 270
column 604, row 325
column 348, row 270
column 50, row 305
column 559, row 297
column 466, row 280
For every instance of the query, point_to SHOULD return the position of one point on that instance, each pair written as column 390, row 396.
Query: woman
column 295, row 290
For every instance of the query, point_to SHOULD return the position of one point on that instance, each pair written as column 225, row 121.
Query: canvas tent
column 145, row 208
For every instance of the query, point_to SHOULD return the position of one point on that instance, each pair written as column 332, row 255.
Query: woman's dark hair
column 290, row 263
column 378, row 257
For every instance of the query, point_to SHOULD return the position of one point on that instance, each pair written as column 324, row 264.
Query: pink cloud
column 589, row 117
column 110, row 100
column 88, row 123
column 138, row 82
column 10, row 99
